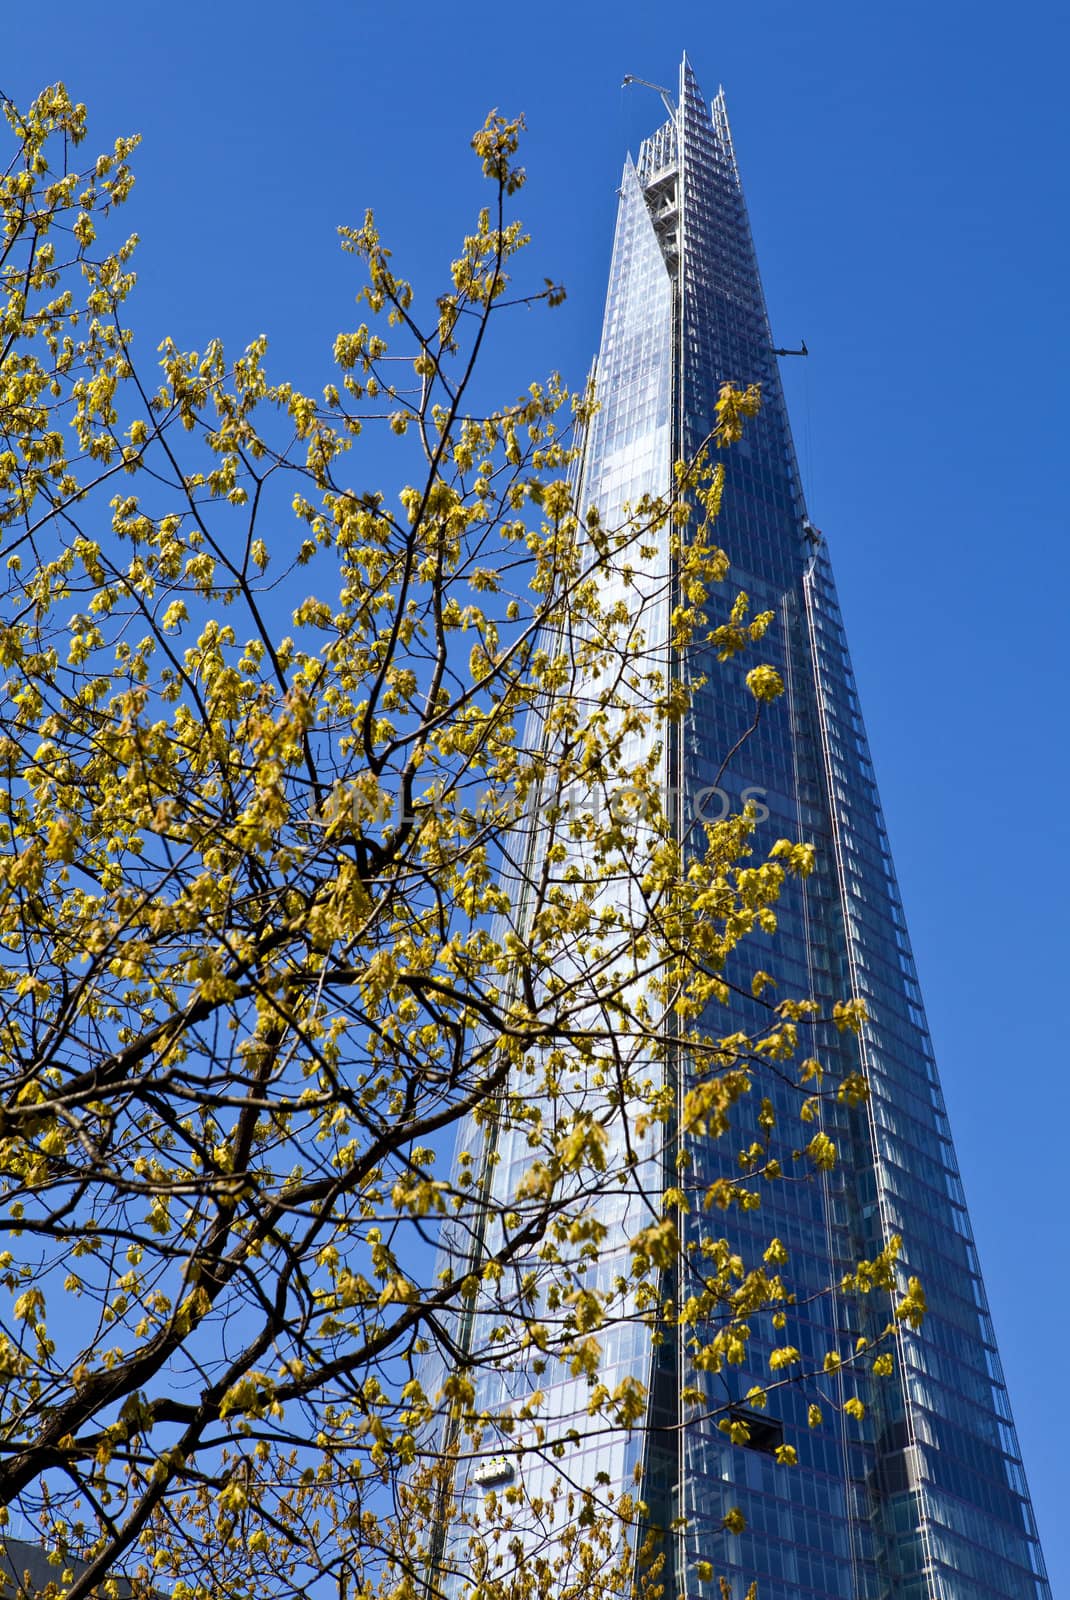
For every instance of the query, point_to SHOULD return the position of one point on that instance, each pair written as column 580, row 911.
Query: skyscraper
column 926, row 1501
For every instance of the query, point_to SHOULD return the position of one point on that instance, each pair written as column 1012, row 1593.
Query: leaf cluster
column 331, row 830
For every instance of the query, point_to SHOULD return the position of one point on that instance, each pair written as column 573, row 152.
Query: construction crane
column 645, row 83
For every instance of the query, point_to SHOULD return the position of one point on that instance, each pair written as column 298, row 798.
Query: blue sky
column 905, row 171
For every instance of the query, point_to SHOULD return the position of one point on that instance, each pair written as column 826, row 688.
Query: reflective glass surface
column 925, row 1499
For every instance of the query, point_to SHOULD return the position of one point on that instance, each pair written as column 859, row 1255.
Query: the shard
column 927, row 1500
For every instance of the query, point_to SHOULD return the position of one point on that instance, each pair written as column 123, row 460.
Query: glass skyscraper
column 926, row 1498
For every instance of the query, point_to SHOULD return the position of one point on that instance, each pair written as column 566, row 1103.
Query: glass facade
column 926, row 1498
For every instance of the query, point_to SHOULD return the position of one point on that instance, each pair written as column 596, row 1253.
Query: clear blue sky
column 906, row 176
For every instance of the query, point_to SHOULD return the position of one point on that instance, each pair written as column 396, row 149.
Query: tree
column 294, row 887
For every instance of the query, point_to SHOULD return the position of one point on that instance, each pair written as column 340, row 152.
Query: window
column 766, row 1433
